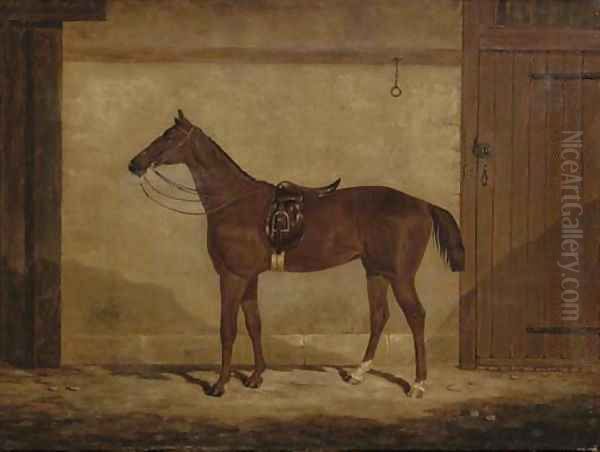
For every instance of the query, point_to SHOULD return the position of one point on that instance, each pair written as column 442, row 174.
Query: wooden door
column 537, row 208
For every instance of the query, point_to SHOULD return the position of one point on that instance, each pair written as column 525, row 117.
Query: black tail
column 447, row 238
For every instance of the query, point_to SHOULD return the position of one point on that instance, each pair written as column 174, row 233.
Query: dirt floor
column 300, row 408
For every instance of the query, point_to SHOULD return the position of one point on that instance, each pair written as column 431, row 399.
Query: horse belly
column 330, row 237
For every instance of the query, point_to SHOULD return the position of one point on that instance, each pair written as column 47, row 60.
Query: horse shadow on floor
column 241, row 373
column 394, row 379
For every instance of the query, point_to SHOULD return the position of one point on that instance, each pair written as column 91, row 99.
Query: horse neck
column 217, row 177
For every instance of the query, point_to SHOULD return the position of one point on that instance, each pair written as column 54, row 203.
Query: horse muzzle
column 136, row 169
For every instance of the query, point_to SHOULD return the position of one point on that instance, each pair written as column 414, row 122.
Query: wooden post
column 3, row 119
column 470, row 96
column 18, row 312
column 31, row 175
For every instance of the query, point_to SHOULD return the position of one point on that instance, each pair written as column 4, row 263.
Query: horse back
column 338, row 226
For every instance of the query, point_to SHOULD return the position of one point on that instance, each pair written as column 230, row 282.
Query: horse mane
column 230, row 160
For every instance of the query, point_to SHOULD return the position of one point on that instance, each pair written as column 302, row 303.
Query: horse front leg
column 253, row 325
column 232, row 292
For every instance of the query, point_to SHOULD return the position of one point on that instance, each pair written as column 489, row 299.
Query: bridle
column 184, row 188
column 204, row 213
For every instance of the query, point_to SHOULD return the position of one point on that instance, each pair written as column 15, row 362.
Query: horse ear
column 183, row 119
column 179, row 123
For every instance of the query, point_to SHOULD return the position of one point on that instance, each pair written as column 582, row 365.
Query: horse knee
column 253, row 322
column 415, row 312
column 420, row 311
column 228, row 335
column 379, row 319
column 385, row 316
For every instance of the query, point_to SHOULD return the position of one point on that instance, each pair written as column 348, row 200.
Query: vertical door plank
column 46, row 170
column 543, row 12
column 555, row 104
column 519, row 12
column 519, row 272
column 470, row 92
column 536, row 208
column 487, row 12
column 552, row 12
column 503, row 12
column 591, row 193
column 502, row 325
column 571, row 282
column 485, row 200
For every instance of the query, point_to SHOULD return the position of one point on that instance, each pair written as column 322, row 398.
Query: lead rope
column 168, row 196
column 173, row 209
column 182, row 187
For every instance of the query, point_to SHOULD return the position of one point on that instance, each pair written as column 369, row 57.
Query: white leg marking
column 417, row 390
column 357, row 376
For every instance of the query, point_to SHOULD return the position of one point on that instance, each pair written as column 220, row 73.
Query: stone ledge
column 285, row 349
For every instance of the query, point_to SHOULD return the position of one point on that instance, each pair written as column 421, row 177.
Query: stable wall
column 293, row 90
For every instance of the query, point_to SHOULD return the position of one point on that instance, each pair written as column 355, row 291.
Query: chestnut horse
column 386, row 229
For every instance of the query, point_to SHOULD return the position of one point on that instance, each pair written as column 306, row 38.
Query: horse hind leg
column 408, row 300
column 377, row 287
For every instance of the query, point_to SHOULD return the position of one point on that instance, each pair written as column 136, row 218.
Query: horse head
column 168, row 149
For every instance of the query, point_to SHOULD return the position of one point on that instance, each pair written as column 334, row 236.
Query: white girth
column 278, row 262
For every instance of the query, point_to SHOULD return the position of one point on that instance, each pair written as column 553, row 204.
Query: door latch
column 481, row 150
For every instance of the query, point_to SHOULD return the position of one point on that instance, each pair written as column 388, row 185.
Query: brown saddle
column 285, row 220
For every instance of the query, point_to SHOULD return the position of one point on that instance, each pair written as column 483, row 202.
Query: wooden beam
column 52, row 10
column 3, row 185
column 539, row 39
column 18, row 308
column 425, row 57
column 468, row 220
column 46, row 194
column 31, row 171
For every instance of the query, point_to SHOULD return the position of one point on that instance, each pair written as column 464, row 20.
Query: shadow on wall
column 104, row 302
column 527, row 275
column 110, row 319
column 119, row 312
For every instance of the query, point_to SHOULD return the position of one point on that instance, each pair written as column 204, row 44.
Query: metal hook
column 396, row 91
column 484, row 176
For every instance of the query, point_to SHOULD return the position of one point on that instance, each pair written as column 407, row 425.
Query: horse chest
column 238, row 248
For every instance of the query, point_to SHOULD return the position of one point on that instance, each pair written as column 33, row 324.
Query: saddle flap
column 285, row 220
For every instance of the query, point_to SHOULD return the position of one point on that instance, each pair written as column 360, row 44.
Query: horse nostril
column 131, row 167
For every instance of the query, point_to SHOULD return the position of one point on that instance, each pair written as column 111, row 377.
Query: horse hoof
column 417, row 391
column 216, row 391
column 353, row 380
column 253, row 382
